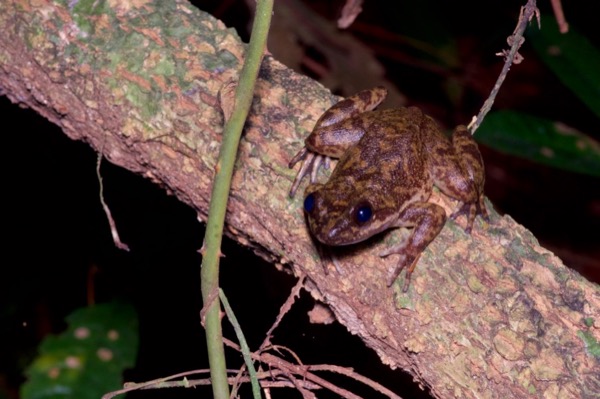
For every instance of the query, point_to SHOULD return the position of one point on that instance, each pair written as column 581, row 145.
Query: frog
column 389, row 161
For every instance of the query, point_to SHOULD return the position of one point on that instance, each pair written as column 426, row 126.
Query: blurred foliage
column 88, row 359
column 540, row 140
column 573, row 58
column 576, row 63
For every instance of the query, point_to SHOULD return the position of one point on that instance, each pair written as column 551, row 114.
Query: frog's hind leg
column 470, row 159
column 472, row 163
column 459, row 173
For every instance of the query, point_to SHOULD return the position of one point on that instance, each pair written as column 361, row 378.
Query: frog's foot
column 338, row 266
column 310, row 166
column 328, row 257
column 406, row 260
column 471, row 210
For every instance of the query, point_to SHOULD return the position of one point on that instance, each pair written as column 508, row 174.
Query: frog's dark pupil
column 309, row 203
column 363, row 214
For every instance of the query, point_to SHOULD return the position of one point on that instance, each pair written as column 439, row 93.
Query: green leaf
column 88, row 359
column 572, row 57
column 540, row 140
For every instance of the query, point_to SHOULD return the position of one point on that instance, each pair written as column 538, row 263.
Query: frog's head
column 335, row 218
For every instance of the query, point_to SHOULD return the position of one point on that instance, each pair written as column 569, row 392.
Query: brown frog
column 389, row 161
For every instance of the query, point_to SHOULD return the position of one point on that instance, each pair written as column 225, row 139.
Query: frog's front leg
column 334, row 133
column 427, row 219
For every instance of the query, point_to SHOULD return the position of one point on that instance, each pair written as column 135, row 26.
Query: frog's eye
column 309, row 202
column 363, row 213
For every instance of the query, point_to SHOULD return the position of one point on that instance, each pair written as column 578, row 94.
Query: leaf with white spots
column 540, row 140
column 88, row 359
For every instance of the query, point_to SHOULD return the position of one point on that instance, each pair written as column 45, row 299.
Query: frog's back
column 390, row 158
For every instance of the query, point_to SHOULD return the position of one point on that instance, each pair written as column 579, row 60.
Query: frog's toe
column 399, row 248
column 338, row 266
column 392, row 277
column 405, row 260
column 471, row 210
column 390, row 251
column 467, row 209
column 396, row 272
column 482, row 210
column 298, row 157
column 306, row 169
column 316, row 162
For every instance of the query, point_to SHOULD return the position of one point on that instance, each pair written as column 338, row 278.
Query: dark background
column 56, row 235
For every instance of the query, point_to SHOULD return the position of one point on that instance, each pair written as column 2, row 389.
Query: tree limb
column 491, row 315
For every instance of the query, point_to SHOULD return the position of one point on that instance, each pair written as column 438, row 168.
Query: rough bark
column 491, row 315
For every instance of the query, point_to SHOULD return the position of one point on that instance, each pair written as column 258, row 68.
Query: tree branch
column 488, row 315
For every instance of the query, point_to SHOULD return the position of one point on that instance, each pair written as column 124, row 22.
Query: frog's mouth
column 342, row 235
column 335, row 237
column 331, row 235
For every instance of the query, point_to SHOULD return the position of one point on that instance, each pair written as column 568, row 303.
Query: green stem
column 243, row 345
column 209, row 273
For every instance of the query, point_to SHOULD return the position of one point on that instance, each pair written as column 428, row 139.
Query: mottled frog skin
column 389, row 161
